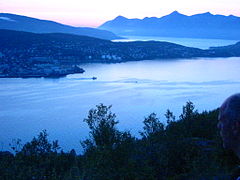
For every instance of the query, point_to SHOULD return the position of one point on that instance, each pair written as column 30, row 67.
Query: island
column 24, row 54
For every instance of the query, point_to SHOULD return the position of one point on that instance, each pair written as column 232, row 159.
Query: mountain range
column 28, row 24
column 204, row 25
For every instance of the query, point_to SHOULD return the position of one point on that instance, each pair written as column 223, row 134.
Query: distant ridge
column 205, row 25
column 28, row 24
column 75, row 49
column 24, row 54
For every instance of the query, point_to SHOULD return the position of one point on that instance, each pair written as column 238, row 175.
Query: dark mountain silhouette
column 227, row 51
column 204, row 25
column 28, row 24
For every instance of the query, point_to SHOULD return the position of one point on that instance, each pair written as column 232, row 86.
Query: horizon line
column 96, row 26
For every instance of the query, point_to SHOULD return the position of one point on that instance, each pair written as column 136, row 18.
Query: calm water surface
column 190, row 42
column 135, row 89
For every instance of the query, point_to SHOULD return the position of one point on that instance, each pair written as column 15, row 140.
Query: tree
column 109, row 153
column 188, row 111
column 152, row 126
column 37, row 158
column 102, row 124
column 40, row 145
column 170, row 117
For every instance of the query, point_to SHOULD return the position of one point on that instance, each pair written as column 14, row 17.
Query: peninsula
column 24, row 54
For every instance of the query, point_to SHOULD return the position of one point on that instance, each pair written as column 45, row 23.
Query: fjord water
column 190, row 42
column 135, row 89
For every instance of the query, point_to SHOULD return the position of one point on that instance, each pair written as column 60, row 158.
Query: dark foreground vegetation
column 188, row 147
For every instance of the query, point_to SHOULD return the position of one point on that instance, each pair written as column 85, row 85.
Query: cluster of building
column 36, row 68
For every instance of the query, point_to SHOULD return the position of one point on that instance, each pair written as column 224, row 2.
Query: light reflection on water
column 135, row 89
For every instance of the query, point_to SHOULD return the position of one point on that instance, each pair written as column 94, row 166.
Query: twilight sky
column 93, row 13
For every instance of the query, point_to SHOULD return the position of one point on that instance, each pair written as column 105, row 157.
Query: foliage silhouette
column 184, row 148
